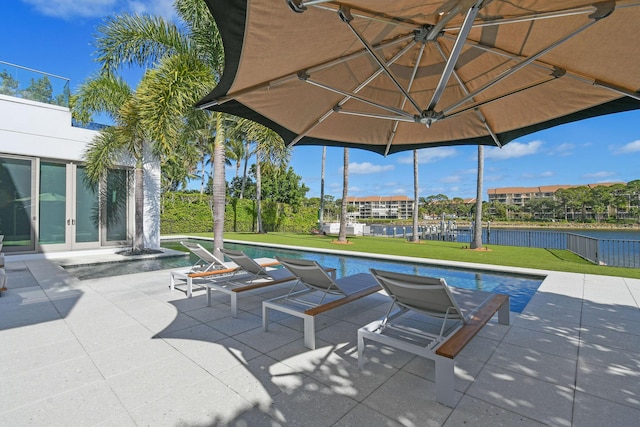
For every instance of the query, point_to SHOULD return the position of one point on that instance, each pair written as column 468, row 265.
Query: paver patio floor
column 125, row 350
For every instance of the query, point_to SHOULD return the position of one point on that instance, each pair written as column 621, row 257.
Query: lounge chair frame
column 319, row 282
column 207, row 264
column 454, row 337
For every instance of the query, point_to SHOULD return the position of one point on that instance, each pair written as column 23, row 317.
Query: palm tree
column 113, row 96
column 415, row 236
column 342, row 234
column 323, row 167
column 236, row 151
column 184, row 62
column 476, row 241
column 270, row 150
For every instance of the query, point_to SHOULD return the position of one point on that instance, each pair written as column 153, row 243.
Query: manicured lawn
column 545, row 259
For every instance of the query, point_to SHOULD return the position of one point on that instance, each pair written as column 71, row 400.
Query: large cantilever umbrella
column 389, row 76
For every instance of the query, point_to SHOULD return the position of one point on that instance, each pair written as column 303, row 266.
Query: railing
column 611, row 252
column 583, row 246
column 21, row 82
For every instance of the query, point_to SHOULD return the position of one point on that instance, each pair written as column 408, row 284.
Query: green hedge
column 192, row 213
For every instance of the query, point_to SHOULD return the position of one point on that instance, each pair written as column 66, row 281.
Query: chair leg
column 361, row 360
column 234, row 304
column 309, row 332
column 265, row 318
column 209, row 290
column 172, row 282
column 445, row 381
column 189, row 287
column 504, row 313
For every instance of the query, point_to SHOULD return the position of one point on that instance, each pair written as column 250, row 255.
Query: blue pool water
column 518, row 286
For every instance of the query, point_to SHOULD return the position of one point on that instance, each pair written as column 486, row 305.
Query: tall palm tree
column 323, row 167
column 476, row 241
column 236, row 151
column 270, row 150
column 415, row 235
column 342, row 234
column 184, row 62
column 113, row 96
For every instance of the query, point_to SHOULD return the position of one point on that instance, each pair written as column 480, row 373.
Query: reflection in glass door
column 52, row 204
column 16, row 209
column 68, row 208
column 87, row 211
column 116, row 206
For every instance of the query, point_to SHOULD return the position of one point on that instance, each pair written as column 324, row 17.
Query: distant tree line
column 613, row 203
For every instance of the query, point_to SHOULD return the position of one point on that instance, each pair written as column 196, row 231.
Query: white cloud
column 513, row 150
column 565, row 149
column 367, row 168
column 546, row 174
column 631, row 147
column 601, row 174
column 451, row 179
column 70, row 9
column 429, row 155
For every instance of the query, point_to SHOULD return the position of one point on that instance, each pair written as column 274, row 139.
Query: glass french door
column 68, row 208
column 17, row 209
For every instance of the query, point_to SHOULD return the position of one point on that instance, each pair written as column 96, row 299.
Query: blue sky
column 56, row 36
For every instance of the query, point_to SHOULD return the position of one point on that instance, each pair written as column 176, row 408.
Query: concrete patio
column 125, row 351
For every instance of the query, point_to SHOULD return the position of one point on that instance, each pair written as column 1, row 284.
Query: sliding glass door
column 17, row 193
column 49, row 206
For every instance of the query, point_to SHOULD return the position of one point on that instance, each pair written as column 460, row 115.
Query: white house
column 45, row 204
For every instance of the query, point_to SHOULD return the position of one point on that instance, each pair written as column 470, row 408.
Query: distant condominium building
column 382, row 207
column 518, row 196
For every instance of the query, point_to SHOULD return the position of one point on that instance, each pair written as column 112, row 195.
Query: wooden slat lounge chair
column 249, row 274
column 458, row 313
column 206, row 265
column 315, row 292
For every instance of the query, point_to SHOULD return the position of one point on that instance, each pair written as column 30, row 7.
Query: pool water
column 519, row 287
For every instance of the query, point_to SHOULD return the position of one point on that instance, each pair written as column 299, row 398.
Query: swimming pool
column 519, row 287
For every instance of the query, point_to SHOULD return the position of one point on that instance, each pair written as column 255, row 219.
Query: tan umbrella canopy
column 389, row 76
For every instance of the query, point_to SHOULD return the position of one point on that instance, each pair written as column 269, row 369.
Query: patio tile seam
column 53, row 396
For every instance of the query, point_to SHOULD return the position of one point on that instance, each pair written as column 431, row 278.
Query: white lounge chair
column 249, row 274
column 451, row 317
column 206, row 265
column 315, row 291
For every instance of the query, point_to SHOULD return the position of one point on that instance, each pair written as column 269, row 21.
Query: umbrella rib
column 404, row 100
column 347, row 18
column 526, row 18
column 480, row 114
column 496, row 98
column 346, row 98
column 305, row 77
column 519, row 66
column 617, row 89
column 453, row 57
column 270, row 84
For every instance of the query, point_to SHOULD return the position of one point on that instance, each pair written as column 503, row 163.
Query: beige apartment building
column 518, row 196
column 382, row 207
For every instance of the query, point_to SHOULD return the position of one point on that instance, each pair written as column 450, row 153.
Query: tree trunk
column 342, row 235
column 219, row 184
column 415, row 236
column 138, row 239
column 476, row 242
column 258, row 193
column 321, row 213
column 244, row 171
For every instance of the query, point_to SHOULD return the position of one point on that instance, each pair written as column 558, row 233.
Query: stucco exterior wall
column 35, row 129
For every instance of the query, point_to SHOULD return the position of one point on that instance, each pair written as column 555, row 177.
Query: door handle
column 68, row 221
column 73, row 222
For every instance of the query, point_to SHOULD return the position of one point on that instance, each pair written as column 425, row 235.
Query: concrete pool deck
column 125, row 351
